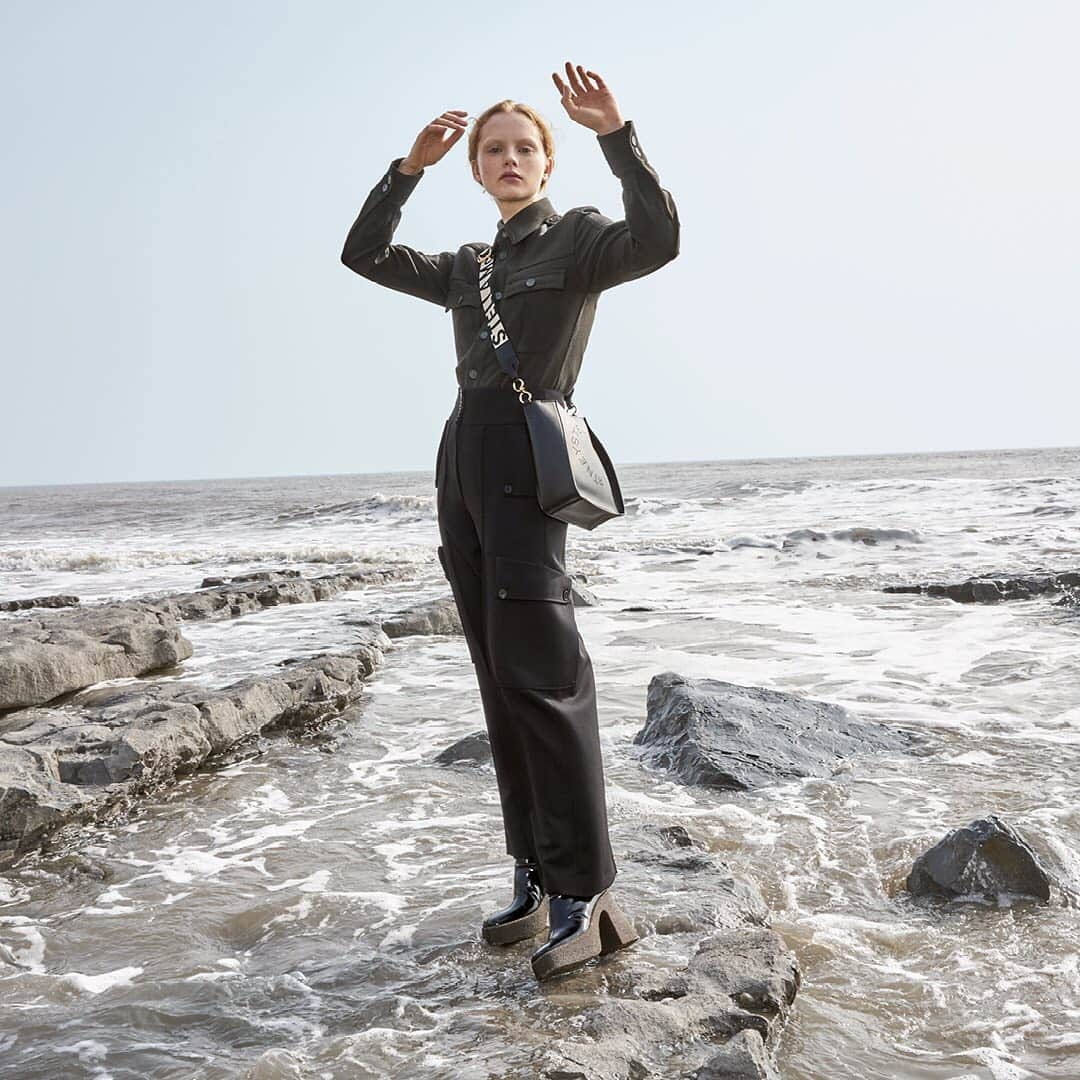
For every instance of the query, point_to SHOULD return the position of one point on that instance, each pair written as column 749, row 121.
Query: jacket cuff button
column 503, row 594
column 508, row 489
column 566, row 594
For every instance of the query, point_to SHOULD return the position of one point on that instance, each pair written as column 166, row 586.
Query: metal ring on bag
column 523, row 394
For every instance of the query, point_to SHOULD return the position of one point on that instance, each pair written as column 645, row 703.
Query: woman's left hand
column 588, row 101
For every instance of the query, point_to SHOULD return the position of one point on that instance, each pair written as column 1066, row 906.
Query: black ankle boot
column 526, row 914
column 581, row 928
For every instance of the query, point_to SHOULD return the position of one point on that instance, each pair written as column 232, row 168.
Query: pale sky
column 880, row 232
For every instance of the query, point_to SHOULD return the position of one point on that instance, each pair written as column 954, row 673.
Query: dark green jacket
column 549, row 268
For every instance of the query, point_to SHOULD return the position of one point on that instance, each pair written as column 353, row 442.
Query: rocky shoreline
column 65, row 763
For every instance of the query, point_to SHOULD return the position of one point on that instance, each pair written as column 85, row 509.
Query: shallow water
column 313, row 906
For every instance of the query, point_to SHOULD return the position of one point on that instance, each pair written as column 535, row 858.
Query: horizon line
column 620, row 464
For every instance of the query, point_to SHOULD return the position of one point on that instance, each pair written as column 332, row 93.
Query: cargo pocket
column 534, row 640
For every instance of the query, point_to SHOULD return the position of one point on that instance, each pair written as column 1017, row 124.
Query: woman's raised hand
column 586, row 99
column 432, row 143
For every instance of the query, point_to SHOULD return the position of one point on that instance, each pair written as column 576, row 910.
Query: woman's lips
column 511, row 176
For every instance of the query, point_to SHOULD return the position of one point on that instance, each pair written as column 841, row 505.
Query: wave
column 94, row 562
column 857, row 534
column 375, row 507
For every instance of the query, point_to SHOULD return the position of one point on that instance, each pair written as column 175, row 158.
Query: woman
column 503, row 556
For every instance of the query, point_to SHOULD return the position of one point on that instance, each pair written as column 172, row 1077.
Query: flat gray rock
column 61, row 600
column 733, row 995
column 65, row 764
column 992, row 590
column 743, row 1058
column 49, row 655
column 439, row 616
column 45, row 656
column 723, row 735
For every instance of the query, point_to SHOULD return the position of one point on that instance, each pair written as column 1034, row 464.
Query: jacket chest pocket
column 463, row 300
column 536, row 306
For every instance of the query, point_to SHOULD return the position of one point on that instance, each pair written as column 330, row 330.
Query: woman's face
column 510, row 143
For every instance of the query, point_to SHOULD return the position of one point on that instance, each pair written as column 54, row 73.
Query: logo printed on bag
column 584, row 460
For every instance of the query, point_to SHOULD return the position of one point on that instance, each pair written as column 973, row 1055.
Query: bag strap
column 500, row 340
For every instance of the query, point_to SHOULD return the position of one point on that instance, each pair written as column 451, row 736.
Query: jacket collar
column 526, row 220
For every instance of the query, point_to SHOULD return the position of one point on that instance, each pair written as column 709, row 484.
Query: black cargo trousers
column 505, row 561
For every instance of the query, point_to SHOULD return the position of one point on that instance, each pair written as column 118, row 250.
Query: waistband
column 495, row 405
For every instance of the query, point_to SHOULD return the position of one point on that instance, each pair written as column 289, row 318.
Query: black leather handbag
column 576, row 481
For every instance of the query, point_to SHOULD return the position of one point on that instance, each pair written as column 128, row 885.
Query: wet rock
column 695, row 889
column 743, row 1058
column 474, row 749
column 439, row 616
column 986, row 859
column 269, row 588
column 695, row 1009
column 75, row 763
column 580, row 596
column 992, row 590
column 44, row 657
column 39, row 601
column 752, row 541
column 723, row 735
column 677, row 836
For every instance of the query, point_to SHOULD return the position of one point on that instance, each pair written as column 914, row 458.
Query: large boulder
column 724, row 735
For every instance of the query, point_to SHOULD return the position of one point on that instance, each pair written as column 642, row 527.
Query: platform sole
column 519, row 929
column 608, row 931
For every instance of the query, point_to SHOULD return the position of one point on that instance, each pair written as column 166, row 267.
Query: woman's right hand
column 431, row 144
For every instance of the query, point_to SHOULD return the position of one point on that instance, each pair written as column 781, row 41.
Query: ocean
column 312, row 909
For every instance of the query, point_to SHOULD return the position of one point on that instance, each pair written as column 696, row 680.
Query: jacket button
column 566, row 594
column 508, row 489
column 483, row 333
column 473, row 373
column 503, row 594
column 498, row 296
column 385, row 186
column 530, row 281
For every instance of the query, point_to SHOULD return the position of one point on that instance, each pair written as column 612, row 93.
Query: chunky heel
column 581, row 929
column 616, row 930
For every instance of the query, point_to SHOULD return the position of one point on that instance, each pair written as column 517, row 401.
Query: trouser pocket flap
column 517, row 580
